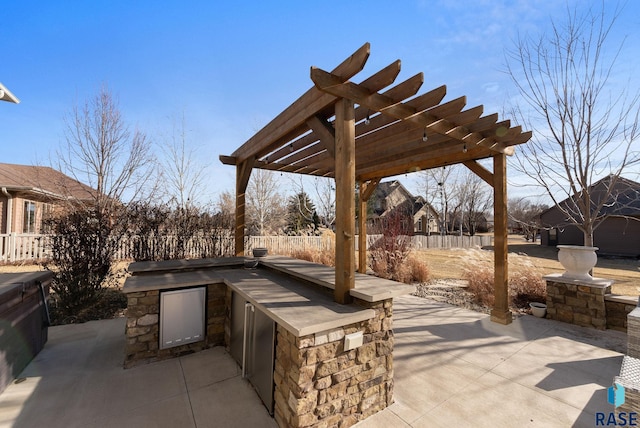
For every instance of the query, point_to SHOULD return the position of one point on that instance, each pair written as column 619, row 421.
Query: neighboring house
column 619, row 232
column 28, row 193
column 392, row 197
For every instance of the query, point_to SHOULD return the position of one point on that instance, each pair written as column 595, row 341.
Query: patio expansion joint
column 186, row 388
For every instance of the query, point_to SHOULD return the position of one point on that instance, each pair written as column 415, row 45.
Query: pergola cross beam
column 332, row 84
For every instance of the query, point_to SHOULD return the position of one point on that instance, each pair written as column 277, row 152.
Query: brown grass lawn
column 449, row 263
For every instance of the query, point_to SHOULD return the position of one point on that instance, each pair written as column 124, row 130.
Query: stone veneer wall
column 319, row 384
column 618, row 309
column 579, row 304
column 143, row 326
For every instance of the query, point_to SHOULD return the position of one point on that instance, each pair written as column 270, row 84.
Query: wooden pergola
column 364, row 132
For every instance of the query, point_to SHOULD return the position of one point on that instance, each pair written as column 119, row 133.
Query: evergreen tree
column 302, row 218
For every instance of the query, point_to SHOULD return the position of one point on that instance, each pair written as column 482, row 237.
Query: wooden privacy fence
column 16, row 247
column 289, row 244
column 420, row 242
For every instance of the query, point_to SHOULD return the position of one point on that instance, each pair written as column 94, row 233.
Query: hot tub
column 24, row 321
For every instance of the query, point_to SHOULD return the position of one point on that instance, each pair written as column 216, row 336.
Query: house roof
column 385, row 189
column 623, row 200
column 412, row 203
column 42, row 181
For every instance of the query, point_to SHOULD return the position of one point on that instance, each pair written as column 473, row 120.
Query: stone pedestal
column 320, row 384
column 577, row 301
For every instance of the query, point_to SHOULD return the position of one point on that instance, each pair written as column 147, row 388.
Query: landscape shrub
column 413, row 270
column 325, row 257
column 525, row 280
column 390, row 252
column 81, row 259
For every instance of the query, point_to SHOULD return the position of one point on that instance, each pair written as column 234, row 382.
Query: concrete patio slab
column 453, row 367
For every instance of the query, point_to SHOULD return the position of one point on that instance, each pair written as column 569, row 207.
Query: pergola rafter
column 363, row 132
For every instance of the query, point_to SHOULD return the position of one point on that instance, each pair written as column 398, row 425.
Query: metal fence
column 16, row 247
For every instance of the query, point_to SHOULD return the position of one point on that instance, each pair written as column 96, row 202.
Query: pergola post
column 362, row 232
column 500, row 312
column 243, row 172
column 345, row 169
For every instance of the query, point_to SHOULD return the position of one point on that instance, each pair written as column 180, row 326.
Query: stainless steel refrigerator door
column 260, row 359
column 237, row 327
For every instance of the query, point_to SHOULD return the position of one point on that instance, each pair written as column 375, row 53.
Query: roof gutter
column 34, row 190
column 9, row 208
column 6, row 95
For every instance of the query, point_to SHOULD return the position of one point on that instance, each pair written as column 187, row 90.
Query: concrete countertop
column 367, row 287
column 295, row 293
column 296, row 306
column 151, row 267
column 163, row 280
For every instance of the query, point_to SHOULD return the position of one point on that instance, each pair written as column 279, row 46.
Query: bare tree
column 584, row 127
column 226, row 206
column 183, row 176
column 475, row 199
column 439, row 187
column 100, row 150
column 525, row 216
column 325, row 193
column 266, row 207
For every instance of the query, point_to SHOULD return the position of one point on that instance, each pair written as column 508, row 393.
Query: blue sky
column 230, row 67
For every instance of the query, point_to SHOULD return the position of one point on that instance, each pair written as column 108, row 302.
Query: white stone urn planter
column 578, row 261
column 538, row 309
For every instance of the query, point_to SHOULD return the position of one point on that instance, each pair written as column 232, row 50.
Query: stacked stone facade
column 618, row 309
column 577, row 303
column 319, row 384
column 143, row 326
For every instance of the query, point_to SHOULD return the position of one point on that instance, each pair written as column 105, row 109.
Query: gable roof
column 410, row 203
column 386, row 188
column 43, row 181
column 624, row 199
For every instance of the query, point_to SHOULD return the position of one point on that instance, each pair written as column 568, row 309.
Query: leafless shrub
column 525, row 280
column 325, row 257
column 389, row 252
column 412, row 271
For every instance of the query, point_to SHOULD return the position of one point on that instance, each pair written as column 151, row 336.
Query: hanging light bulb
column 424, row 135
column 367, row 120
column 464, row 148
column 290, row 147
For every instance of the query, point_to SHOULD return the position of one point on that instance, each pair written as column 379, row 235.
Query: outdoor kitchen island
column 332, row 363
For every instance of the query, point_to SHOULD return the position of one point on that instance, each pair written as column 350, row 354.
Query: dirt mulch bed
column 454, row 292
column 112, row 304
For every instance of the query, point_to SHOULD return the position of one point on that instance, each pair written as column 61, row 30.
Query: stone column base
column 579, row 302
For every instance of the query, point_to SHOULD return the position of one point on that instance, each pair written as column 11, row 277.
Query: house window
column 420, row 224
column 29, row 217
